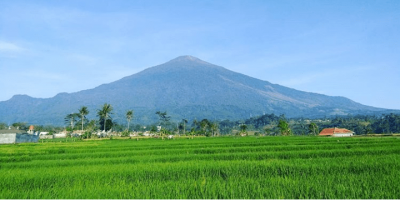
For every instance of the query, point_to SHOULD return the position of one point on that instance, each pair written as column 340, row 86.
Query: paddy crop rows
column 231, row 167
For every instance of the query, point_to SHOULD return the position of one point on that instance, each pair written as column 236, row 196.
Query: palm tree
column 164, row 118
column 195, row 124
column 214, row 128
column 104, row 113
column 313, row 128
column 83, row 112
column 204, row 124
column 184, row 124
column 70, row 119
column 129, row 116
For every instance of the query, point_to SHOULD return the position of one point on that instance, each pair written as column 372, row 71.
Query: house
column 336, row 132
column 62, row 134
column 45, row 135
column 31, row 129
column 12, row 136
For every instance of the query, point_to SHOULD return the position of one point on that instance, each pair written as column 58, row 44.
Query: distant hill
column 185, row 87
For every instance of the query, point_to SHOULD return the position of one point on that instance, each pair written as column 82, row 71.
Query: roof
column 331, row 131
column 11, row 131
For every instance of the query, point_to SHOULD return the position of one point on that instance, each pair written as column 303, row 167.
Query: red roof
column 331, row 131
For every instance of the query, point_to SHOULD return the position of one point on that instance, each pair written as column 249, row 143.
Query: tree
column 313, row 128
column 104, row 114
column 184, row 125
column 214, row 128
column 368, row 129
column 243, row 129
column 204, row 124
column 70, row 119
column 153, row 129
column 180, row 128
column 267, row 130
column 83, row 111
column 109, row 124
column 195, row 123
column 90, row 127
column 20, row 125
column 3, row 126
column 163, row 132
column 164, row 118
column 129, row 116
column 284, row 127
column 192, row 132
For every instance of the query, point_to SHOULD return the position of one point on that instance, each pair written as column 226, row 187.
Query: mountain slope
column 185, row 87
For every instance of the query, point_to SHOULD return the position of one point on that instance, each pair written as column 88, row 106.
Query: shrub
column 125, row 133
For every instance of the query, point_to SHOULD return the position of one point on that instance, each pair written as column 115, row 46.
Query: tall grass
column 230, row 167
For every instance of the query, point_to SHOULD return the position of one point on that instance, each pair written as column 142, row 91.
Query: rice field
column 206, row 168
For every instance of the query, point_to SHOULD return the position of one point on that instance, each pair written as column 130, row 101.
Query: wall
column 60, row 135
column 21, row 138
column 7, row 138
column 342, row 134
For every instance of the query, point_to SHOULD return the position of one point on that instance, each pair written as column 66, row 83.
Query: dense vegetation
column 268, row 124
column 360, row 124
column 220, row 167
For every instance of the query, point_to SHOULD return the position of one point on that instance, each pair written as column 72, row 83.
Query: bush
column 87, row 135
column 125, row 133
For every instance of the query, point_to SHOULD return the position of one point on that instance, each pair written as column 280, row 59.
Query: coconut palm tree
column 313, row 129
column 83, row 111
column 70, row 119
column 195, row 124
column 129, row 116
column 214, row 128
column 104, row 113
column 184, row 125
column 204, row 125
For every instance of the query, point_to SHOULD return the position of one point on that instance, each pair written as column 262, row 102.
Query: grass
column 223, row 167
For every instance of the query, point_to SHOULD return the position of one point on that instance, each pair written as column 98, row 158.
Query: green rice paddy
column 221, row 168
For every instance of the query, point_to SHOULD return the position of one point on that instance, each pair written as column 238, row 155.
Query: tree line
column 268, row 124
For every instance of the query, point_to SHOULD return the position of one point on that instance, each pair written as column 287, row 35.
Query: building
column 12, row 136
column 62, row 134
column 336, row 132
column 45, row 135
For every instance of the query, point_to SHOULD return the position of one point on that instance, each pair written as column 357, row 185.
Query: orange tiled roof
column 331, row 131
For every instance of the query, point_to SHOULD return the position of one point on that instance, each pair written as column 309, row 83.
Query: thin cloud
column 84, row 59
column 10, row 47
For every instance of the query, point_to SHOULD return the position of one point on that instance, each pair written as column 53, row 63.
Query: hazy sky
column 339, row 48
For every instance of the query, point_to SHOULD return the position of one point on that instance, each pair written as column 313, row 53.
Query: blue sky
column 338, row 48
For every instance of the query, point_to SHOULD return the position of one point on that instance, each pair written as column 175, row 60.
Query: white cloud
column 10, row 47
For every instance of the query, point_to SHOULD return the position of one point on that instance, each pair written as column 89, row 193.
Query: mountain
column 185, row 87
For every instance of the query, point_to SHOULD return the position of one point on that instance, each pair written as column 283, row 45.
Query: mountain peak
column 188, row 58
column 181, row 64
